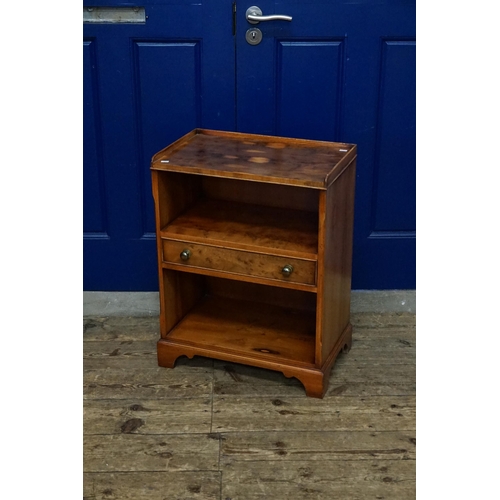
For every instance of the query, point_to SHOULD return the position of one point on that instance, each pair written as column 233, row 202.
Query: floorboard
column 192, row 485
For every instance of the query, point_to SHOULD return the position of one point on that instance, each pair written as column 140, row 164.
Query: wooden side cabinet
column 254, row 238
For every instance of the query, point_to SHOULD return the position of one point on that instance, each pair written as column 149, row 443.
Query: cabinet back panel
column 271, row 195
column 284, row 297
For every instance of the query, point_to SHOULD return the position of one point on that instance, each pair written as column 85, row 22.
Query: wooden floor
column 217, row 430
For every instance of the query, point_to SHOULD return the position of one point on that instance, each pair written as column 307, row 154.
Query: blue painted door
column 340, row 70
column 344, row 70
column 145, row 85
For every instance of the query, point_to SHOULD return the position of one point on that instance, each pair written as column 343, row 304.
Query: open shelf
column 253, row 329
column 270, row 230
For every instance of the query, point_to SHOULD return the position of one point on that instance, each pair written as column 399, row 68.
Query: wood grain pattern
column 299, row 480
column 258, row 193
column 390, row 334
column 248, row 227
column 383, row 321
column 164, row 452
column 224, row 260
column 317, row 445
column 335, row 262
column 256, row 158
column 146, row 416
column 400, row 350
column 148, row 381
column 358, row 369
column 122, row 328
column 335, row 413
column 194, row 485
column 126, row 362
column 113, row 348
column 286, row 298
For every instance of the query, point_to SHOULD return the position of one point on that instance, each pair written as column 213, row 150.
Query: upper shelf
column 299, row 162
column 242, row 226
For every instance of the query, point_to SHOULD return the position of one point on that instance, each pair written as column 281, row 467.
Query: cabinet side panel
column 335, row 261
column 176, row 193
column 155, row 181
column 173, row 193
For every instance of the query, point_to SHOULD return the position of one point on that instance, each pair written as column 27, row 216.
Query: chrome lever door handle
column 254, row 16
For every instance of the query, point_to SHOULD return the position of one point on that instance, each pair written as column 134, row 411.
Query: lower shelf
column 249, row 330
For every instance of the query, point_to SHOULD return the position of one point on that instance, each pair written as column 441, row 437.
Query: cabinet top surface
column 252, row 157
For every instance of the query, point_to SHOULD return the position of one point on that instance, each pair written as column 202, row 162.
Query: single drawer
column 239, row 262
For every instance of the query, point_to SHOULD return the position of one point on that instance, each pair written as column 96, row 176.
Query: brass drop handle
column 287, row 270
column 185, row 254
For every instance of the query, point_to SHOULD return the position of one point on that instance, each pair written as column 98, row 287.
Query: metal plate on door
column 253, row 36
column 114, row 15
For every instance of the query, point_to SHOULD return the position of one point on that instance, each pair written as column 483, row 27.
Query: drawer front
column 239, row 262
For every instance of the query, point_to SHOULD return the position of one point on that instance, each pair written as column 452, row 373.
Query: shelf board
column 242, row 226
column 249, row 329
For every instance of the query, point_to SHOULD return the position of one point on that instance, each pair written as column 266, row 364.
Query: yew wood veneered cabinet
column 254, row 239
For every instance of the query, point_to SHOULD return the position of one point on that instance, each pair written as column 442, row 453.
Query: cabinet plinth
column 254, row 242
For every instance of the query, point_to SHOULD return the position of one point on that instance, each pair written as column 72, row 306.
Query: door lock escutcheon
column 253, row 36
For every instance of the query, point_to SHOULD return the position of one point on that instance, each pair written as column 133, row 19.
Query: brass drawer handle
column 185, row 254
column 287, row 270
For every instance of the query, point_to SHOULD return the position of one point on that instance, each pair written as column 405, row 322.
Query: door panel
column 303, row 62
column 394, row 186
column 93, row 188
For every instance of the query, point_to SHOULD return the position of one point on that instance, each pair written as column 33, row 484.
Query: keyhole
column 253, row 36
